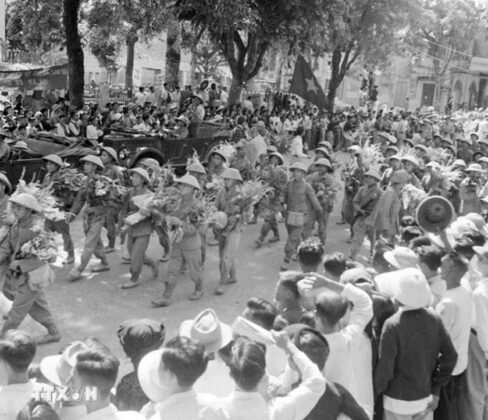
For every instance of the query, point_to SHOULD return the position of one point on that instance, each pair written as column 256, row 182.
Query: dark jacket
column 416, row 356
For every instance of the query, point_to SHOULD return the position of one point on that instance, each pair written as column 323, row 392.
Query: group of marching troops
column 304, row 195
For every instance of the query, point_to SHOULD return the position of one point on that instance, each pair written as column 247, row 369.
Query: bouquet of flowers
column 250, row 193
column 45, row 198
column 107, row 188
column 326, row 191
column 282, row 142
column 411, row 154
column 372, row 156
column 438, row 154
column 143, row 203
column 166, row 200
column 43, row 246
column 204, row 209
column 226, row 149
column 68, row 184
column 103, row 186
column 412, row 197
column 163, row 177
column 214, row 186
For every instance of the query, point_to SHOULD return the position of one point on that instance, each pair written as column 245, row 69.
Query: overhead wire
column 449, row 63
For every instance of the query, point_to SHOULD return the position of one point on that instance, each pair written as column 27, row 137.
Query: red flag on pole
column 305, row 84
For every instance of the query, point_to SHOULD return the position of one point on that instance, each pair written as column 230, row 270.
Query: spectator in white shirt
column 429, row 263
column 350, row 359
column 140, row 97
column 455, row 309
column 483, row 128
column 62, row 129
column 167, row 377
column 31, row 127
column 250, row 399
column 296, row 147
column 142, row 124
column 73, row 126
column 224, row 96
column 287, row 125
column 149, row 98
column 92, row 131
column 96, row 367
column 17, row 350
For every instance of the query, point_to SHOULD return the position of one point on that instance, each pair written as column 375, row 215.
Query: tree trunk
column 173, row 53
column 235, row 91
column 76, row 69
column 335, row 78
column 129, row 65
column 331, row 93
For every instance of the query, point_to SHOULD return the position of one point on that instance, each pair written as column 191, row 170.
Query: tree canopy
column 112, row 23
column 444, row 33
column 359, row 30
column 243, row 31
column 34, row 27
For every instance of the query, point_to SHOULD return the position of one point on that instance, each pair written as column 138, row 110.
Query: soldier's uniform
column 300, row 198
column 138, row 237
column 186, row 249
column 94, row 221
column 271, row 205
column 230, row 237
column 365, row 203
column 60, row 226
column 324, row 187
column 111, row 171
column 352, row 183
column 26, row 300
column 214, row 172
column 243, row 165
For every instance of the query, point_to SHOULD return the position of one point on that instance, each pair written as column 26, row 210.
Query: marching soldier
column 364, row 206
column 300, row 201
column 229, row 237
column 275, row 177
column 240, row 162
column 185, row 226
column 353, row 179
column 387, row 214
column 138, row 235
column 109, row 160
column 323, row 184
column 216, row 165
column 53, row 166
column 197, row 170
column 95, row 215
column 27, row 298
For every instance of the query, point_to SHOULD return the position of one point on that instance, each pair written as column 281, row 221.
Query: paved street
column 96, row 306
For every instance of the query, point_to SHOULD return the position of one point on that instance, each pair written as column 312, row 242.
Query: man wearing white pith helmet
column 109, row 159
column 230, row 236
column 324, row 185
column 184, row 225
column 300, row 201
column 95, row 215
column 27, row 275
column 271, row 205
